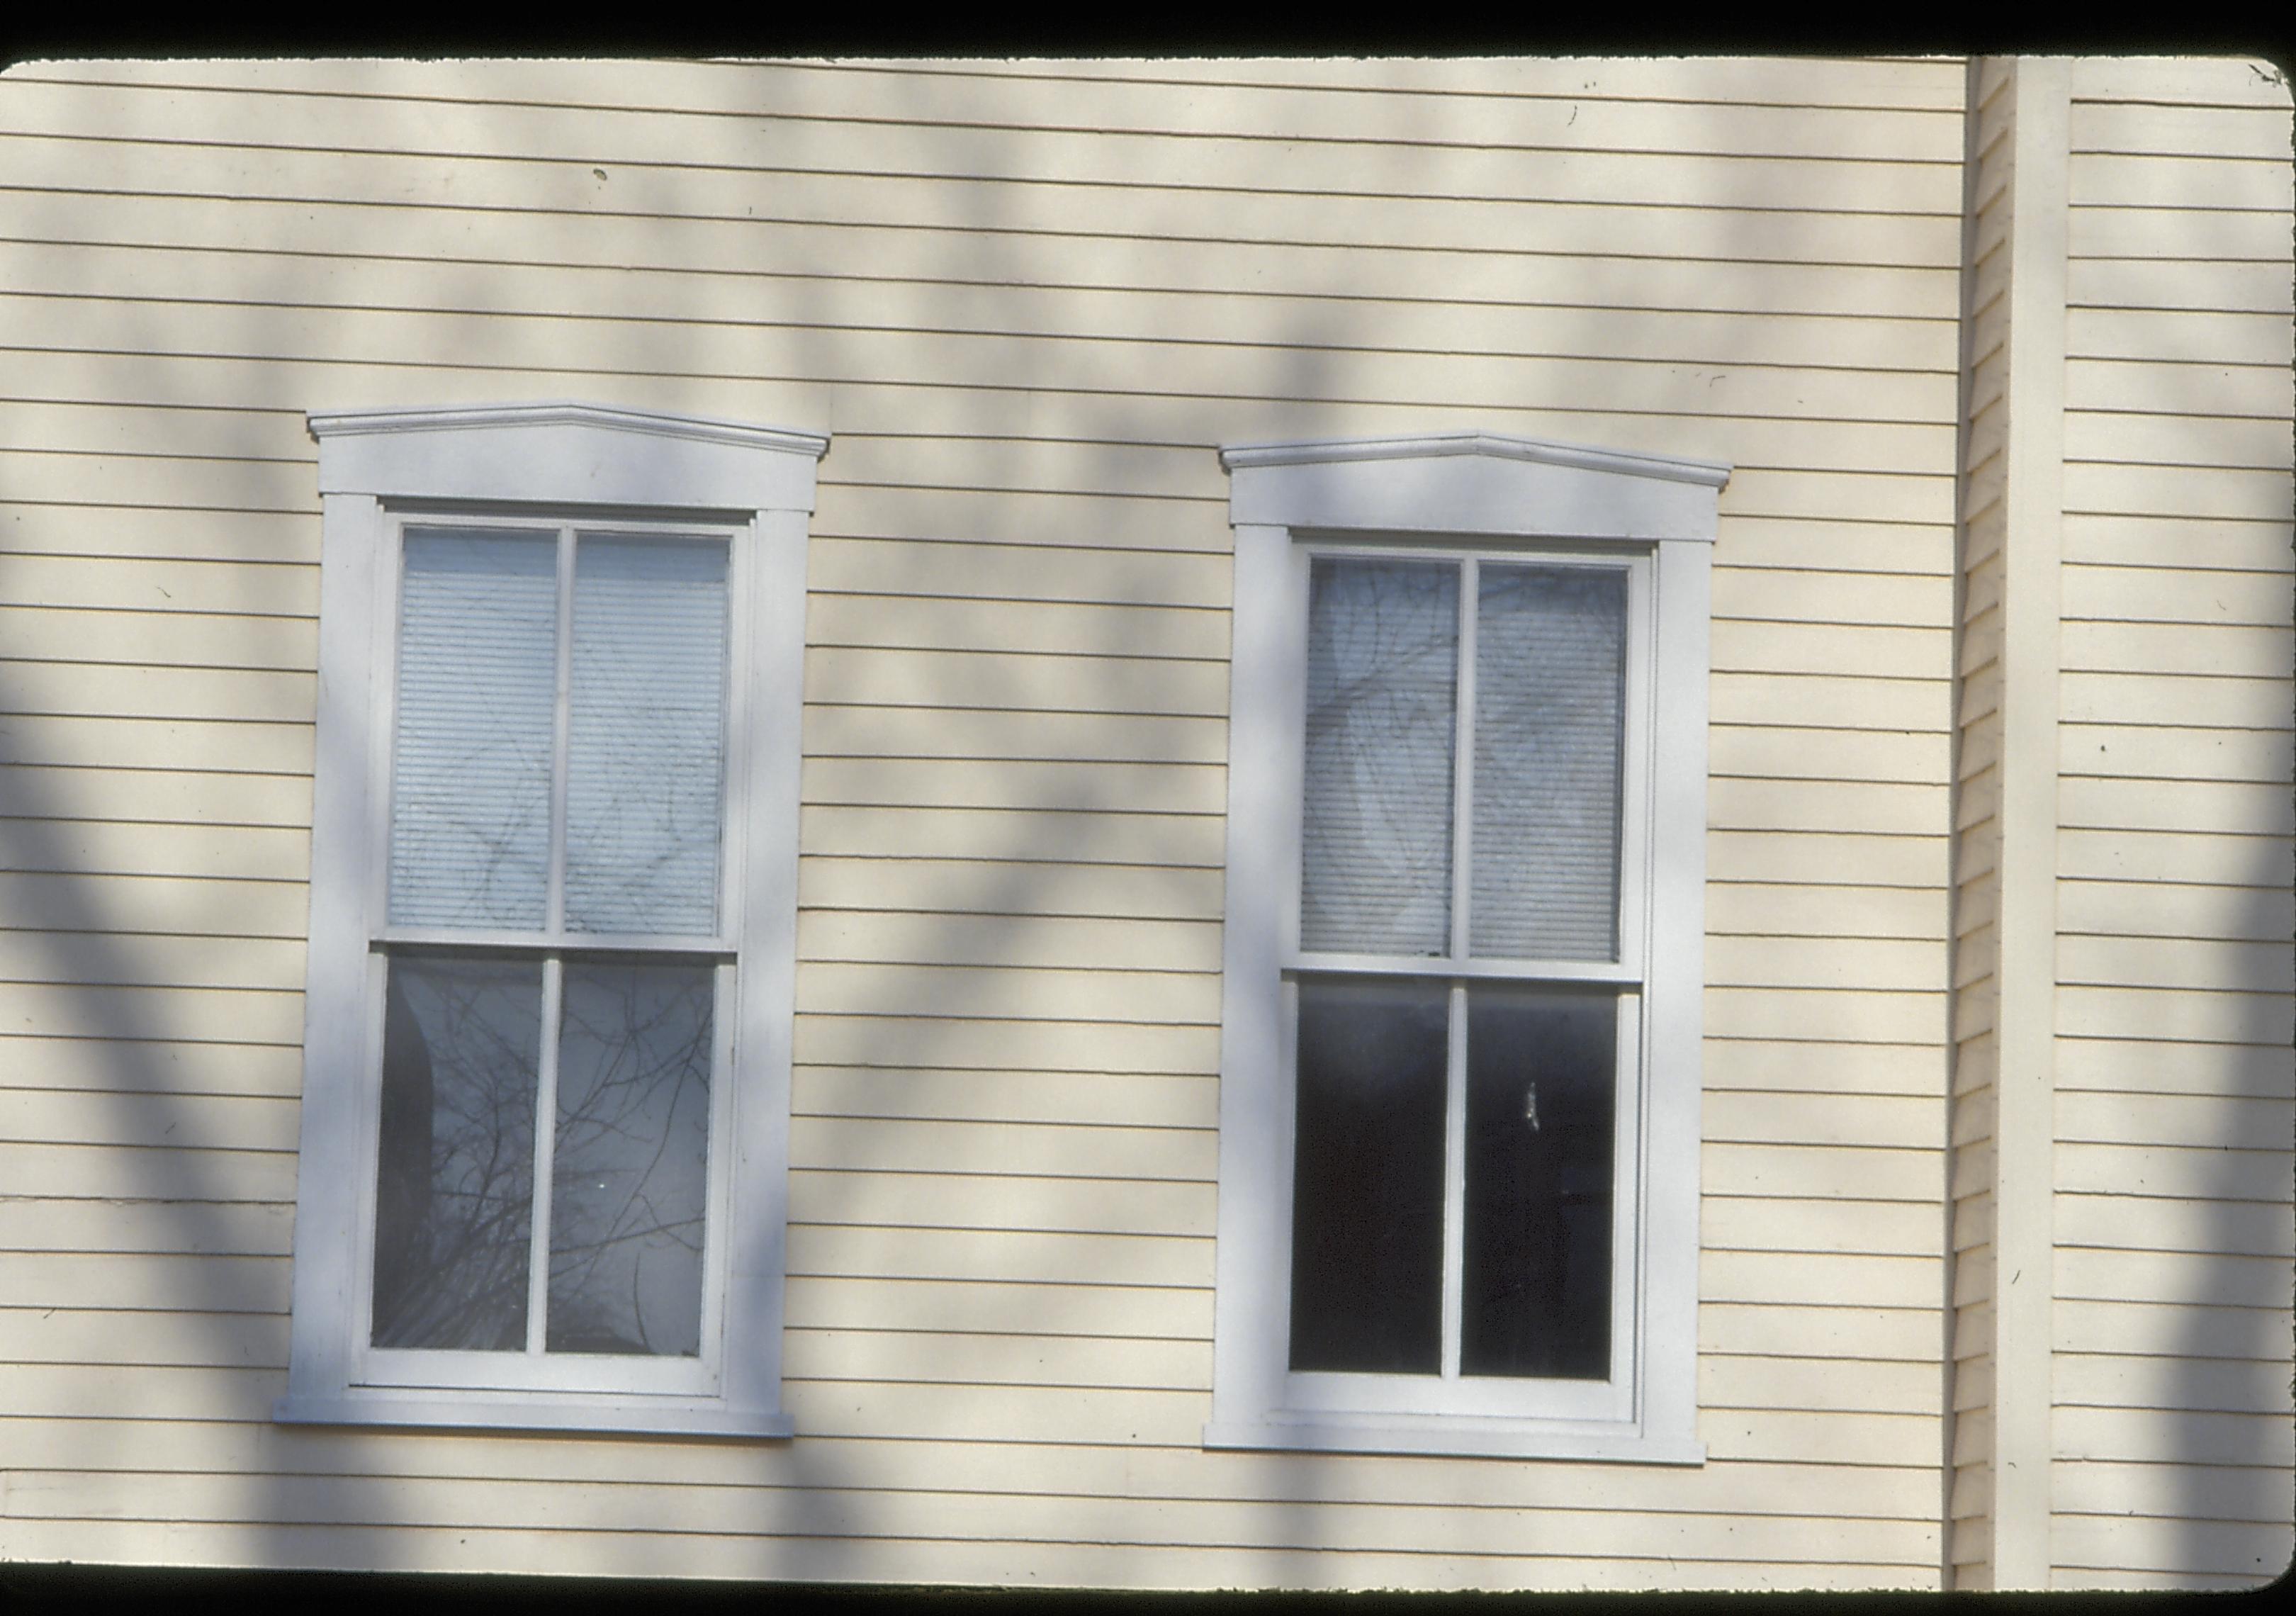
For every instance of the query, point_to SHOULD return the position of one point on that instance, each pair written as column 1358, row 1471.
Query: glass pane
column 629, row 1178
column 1382, row 664
column 1541, row 1075
column 1367, row 1193
column 454, row 1202
column 646, row 704
column 478, row 678
column 1550, row 702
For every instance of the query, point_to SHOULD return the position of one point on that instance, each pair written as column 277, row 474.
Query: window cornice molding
column 562, row 452
column 1473, row 482
column 1420, row 445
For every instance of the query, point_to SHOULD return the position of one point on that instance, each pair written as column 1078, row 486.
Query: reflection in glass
column 1550, row 705
column 478, row 681
column 646, row 698
column 629, row 1178
column 1382, row 665
column 454, row 1191
column 1367, row 1197
column 1541, row 1069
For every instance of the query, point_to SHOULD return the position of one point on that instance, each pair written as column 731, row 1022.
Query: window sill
column 1462, row 1436
column 630, row 1415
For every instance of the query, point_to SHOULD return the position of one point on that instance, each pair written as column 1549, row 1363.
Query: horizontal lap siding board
column 2175, row 1082
column 1028, row 301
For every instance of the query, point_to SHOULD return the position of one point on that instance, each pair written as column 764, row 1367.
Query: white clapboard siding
column 1048, row 941
column 1897, row 383
column 2175, row 962
column 906, row 1198
column 2153, row 1066
column 130, row 407
column 918, row 1557
column 1027, row 300
column 233, row 1227
column 1870, row 109
column 917, row 187
column 1082, row 1098
column 1522, row 324
column 1114, row 83
column 149, row 633
column 1015, row 835
column 1007, row 1470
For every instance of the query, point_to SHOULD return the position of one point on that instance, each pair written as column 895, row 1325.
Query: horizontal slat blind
column 645, row 741
column 1382, row 659
column 1550, row 696
column 470, row 810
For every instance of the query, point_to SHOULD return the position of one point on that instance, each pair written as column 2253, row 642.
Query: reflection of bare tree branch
column 481, row 641
column 629, row 1152
column 1382, row 691
column 615, row 1136
column 469, row 1032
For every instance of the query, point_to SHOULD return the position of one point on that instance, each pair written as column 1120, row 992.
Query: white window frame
column 559, row 466
column 1454, row 495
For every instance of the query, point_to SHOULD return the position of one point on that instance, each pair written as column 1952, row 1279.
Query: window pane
column 629, row 1178
column 1541, row 1072
column 1550, row 700
column 1383, row 661
column 1368, row 1195
column 454, row 1192
column 478, row 673
column 646, row 716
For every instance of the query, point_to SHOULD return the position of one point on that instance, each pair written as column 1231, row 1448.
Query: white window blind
column 470, row 812
column 1550, row 699
column 645, row 737
column 1383, row 661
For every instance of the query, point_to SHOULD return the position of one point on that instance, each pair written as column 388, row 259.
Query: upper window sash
column 385, row 740
column 1458, row 957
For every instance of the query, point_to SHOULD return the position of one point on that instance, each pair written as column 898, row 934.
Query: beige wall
column 2176, row 1095
column 1028, row 302
column 2123, row 1077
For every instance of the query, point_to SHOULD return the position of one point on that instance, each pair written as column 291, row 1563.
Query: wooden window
column 1458, row 1204
column 552, row 926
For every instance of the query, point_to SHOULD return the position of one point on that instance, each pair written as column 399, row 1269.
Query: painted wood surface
column 2176, row 1088
column 1027, row 300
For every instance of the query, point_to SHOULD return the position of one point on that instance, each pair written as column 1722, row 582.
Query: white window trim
column 554, row 463
column 1497, row 495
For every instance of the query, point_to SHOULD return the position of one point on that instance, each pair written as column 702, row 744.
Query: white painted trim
column 635, row 1414
column 1674, row 1015
column 463, row 418
column 768, row 749
column 1266, row 701
column 1468, row 491
column 666, row 468
column 1503, row 970
column 2025, row 970
column 326, row 1295
column 1497, row 1438
column 1712, row 474
column 562, row 455
column 1473, row 483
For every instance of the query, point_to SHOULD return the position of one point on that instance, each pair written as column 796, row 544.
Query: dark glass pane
column 630, row 1169
column 1541, row 1103
column 1367, row 1194
column 455, row 1194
